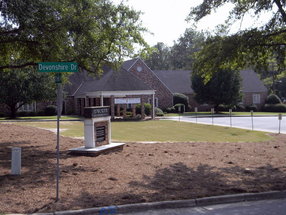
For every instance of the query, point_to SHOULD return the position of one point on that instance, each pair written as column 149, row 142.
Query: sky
column 166, row 18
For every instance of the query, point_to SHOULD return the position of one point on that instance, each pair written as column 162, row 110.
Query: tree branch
column 18, row 66
column 281, row 10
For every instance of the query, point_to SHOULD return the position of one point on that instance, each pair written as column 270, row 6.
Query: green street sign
column 57, row 67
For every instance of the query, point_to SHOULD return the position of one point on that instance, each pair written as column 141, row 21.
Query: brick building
column 135, row 83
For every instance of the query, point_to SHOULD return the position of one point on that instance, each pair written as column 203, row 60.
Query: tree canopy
column 257, row 47
column 23, row 87
column 90, row 32
column 222, row 89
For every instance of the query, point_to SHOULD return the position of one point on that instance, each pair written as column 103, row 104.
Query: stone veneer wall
column 164, row 96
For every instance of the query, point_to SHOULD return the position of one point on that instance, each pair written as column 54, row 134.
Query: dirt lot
column 139, row 173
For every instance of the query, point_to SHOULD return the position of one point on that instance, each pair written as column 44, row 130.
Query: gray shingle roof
column 177, row 81
column 112, row 81
column 180, row 81
column 251, row 82
column 127, row 64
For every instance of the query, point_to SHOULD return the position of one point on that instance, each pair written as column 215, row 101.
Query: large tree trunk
column 13, row 111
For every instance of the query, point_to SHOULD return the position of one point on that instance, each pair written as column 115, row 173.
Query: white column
column 101, row 100
column 89, row 133
column 109, row 131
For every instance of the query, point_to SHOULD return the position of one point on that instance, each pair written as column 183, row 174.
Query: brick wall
column 247, row 98
column 164, row 96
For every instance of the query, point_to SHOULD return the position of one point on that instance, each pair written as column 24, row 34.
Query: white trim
column 117, row 93
column 156, row 76
column 78, row 88
column 133, row 64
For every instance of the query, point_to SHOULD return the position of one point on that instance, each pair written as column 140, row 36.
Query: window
column 256, row 99
column 156, row 101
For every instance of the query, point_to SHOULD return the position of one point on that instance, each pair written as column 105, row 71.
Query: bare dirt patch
column 139, row 173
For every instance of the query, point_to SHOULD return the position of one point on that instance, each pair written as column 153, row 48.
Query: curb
column 198, row 202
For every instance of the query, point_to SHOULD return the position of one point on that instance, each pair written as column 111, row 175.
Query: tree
column 223, row 88
column 254, row 47
column 90, row 32
column 159, row 59
column 23, row 87
column 183, row 49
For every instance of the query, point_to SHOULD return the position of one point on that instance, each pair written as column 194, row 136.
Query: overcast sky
column 166, row 18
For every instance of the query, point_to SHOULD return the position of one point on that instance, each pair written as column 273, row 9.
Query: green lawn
column 162, row 131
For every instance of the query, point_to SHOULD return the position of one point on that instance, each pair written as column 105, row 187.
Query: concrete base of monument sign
column 97, row 150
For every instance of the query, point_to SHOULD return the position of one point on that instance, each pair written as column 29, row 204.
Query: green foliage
column 147, row 109
column 159, row 112
column 251, row 108
column 179, row 98
column 50, row 110
column 90, row 32
column 179, row 56
column 260, row 47
column 280, row 108
column 179, row 108
column 171, row 110
column 19, row 87
column 222, row 88
column 273, row 99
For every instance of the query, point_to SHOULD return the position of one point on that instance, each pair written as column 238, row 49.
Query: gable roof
column 112, row 81
column 129, row 63
column 180, row 81
column 251, row 82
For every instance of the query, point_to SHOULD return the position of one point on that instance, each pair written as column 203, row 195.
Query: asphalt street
column 269, row 123
column 266, row 207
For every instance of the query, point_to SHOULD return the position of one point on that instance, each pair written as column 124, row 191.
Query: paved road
column 269, row 124
column 266, row 207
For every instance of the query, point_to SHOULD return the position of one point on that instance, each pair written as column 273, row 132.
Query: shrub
column 273, row 99
column 147, row 107
column 171, row 110
column 50, row 110
column 251, row 108
column 179, row 107
column 240, row 108
column 274, row 108
column 158, row 112
column 179, row 98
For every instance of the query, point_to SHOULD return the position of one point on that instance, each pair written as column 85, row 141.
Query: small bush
column 147, row 107
column 240, row 108
column 179, row 107
column 50, row 110
column 273, row 99
column 251, row 108
column 179, row 98
column 274, row 108
column 159, row 112
column 171, row 110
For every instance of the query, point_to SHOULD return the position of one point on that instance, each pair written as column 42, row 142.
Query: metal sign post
column 58, row 68
column 212, row 110
column 279, row 118
column 196, row 111
column 230, row 113
column 251, row 113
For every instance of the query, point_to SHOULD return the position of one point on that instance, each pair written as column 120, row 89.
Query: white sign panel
column 127, row 101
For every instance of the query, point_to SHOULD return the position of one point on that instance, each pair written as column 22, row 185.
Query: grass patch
column 162, row 131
